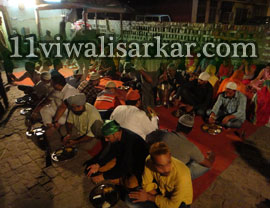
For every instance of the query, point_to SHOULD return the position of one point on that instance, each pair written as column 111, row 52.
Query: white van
column 153, row 18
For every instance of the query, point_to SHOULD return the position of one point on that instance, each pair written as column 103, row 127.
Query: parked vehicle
column 153, row 18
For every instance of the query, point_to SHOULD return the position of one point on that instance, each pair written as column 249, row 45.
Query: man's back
column 130, row 155
column 181, row 148
column 134, row 119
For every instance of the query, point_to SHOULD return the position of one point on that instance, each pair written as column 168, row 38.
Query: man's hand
column 66, row 138
column 12, row 76
column 212, row 118
column 93, row 169
column 98, row 178
column 70, row 143
column 176, row 102
column 139, row 196
column 227, row 118
column 34, row 116
column 210, row 155
column 56, row 125
column 151, row 111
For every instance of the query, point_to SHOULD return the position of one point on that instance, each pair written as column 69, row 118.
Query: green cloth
column 110, row 127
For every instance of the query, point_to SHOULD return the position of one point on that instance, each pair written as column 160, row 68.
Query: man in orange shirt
column 107, row 100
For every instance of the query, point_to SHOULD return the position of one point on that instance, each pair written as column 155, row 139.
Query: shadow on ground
column 264, row 204
column 253, row 157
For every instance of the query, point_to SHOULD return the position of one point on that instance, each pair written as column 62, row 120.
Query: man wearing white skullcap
column 45, row 76
column 204, row 76
column 230, row 108
column 75, row 80
column 197, row 94
column 43, row 87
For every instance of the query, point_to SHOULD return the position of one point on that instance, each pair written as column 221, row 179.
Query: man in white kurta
column 132, row 118
column 61, row 93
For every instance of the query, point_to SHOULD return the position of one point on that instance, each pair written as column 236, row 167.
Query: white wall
column 49, row 20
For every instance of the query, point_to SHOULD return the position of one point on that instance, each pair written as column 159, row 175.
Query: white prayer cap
column 231, row 85
column 94, row 76
column 77, row 72
column 204, row 76
column 186, row 120
column 78, row 99
column 110, row 84
column 46, row 76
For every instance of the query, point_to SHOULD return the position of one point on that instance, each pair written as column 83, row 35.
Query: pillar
column 207, row 11
column 194, row 10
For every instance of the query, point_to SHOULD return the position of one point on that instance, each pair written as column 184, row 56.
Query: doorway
column 240, row 16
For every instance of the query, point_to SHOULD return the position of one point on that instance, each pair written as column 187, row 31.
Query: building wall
column 25, row 18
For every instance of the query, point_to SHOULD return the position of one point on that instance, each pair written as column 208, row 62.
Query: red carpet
column 221, row 144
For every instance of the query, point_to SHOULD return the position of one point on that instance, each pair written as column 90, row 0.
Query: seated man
column 3, row 95
column 43, row 88
column 197, row 94
column 57, row 64
column 107, row 100
column 46, row 65
column 169, row 82
column 230, row 108
column 166, row 182
column 130, row 151
column 75, row 80
column 131, row 117
column 89, row 88
column 182, row 149
column 55, row 113
column 81, row 119
column 30, row 73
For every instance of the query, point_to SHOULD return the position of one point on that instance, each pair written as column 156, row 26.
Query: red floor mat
column 221, row 144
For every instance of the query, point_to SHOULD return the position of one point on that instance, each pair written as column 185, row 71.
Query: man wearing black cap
column 182, row 149
column 130, row 151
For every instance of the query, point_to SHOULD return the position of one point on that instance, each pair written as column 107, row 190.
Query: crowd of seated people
column 148, row 162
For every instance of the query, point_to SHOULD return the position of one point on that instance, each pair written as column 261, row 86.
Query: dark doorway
column 240, row 16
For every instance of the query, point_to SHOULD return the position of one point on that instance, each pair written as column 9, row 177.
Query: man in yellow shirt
column 166, row 181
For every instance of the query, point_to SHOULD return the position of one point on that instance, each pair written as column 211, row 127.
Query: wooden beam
column 194, row 10
column 96, row 21
column 218, row 11
column 37, row 17
column 6, row 20
column 268, row 8
column 121, row 26
column 207, row 11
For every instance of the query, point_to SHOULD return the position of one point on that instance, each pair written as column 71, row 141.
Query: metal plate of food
column 104, row 196
column 23, row 100
column 212, row 129
column 25, row 111
column 39, row 131
column 63, row 153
